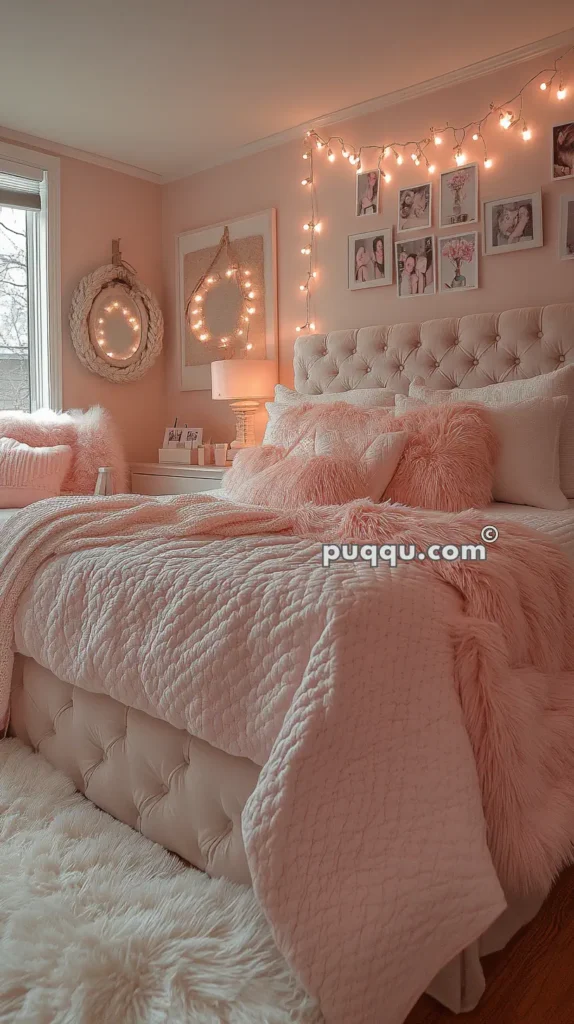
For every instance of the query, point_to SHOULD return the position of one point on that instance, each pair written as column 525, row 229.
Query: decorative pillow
column 328, row 454
column 30, row 474
column 366, row 398
column 546, row 385
column 527, row 470
column 448, row 461
column 91, row 435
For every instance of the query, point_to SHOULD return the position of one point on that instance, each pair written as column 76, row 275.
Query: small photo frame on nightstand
column 182, row 437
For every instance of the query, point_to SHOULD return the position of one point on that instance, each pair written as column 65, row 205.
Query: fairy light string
column 241, row 276
column 510, row 115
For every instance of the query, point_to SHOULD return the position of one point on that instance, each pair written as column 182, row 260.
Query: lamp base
column 244, row 427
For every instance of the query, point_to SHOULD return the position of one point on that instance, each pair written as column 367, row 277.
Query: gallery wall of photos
column 441, row 229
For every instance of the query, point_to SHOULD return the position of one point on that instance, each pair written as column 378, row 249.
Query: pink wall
column 97, row 205
column 273, row 179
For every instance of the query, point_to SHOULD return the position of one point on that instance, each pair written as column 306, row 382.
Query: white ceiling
column 173, row 85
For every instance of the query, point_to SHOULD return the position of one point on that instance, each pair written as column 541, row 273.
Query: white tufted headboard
column 465, row 352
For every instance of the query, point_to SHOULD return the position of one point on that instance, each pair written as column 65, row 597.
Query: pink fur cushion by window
column 326, row 454
column 30, row 474
column 91, row 435
column 527, row 470
column 448, row 461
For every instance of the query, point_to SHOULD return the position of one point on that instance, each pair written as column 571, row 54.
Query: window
column 30, row 352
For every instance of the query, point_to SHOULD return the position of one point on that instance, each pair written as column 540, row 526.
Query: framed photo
column 192, row 437
column 513, row 223
column 253, row 240
column 567, row 227
column 415, row 210
column 459, row 196
column 371, row 259
column 458, row 262
column 416, row 267
column 172, row 437
column 368, row 193
column 563, row 151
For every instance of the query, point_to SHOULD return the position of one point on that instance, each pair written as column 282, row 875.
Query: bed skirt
column 184, row 794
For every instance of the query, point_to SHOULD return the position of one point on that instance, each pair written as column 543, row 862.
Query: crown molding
column 58, row 149
column 391, row 99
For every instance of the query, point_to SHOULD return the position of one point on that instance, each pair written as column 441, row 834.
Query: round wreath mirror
column 116, row 323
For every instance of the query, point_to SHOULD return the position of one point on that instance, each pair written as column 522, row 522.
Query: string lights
column 509, row 114
column 132, row 322
column 242, row 279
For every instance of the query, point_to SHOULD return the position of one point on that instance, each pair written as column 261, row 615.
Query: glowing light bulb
column 125, row 311
column 488, row 163
column 210, row 280
column 475, row 137
column 460, row 158
column 251, row 310
column 204, row 337
column 305, row 156
column 302, row 287
column 314, row 274
column 116, row 305
column 240, row 331
column 431, row 168
column 249, row 346
column 198, row 298
column 317, row 227
column 417, row 162
column 101, row 320
column 345, row 154
column 306, row 227
column 305, row 181
column 135, row 328
column 228, row 273
column 437, row 140
column 352, row 159
column 298, row 329
column 224, row 341
column 387, row 178
column 413, row 156
column 400, row 160
column 359, row 167
column 306, row 251
column 311, row 326
column 561, row 93
column 526, row 134
column 101, row 342
column 505, row 121
column 320, row 145
column 251, row 295
column 331, row 156
column 543, row 86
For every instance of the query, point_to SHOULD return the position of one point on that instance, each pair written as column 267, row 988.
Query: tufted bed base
column 184, row 794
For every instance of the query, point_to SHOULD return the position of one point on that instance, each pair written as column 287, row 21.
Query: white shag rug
column 101, row 926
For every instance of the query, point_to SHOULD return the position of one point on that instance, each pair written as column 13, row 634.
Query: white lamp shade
column 233, row 380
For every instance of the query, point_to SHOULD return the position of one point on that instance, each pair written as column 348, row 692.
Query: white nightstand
column 153, row 478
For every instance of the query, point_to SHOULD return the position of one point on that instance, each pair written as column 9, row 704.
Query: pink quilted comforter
column 415, row 725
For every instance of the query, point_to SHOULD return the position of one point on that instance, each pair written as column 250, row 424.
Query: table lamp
column 244, row 383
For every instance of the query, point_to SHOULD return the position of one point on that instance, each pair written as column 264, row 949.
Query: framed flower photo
column 563, row 151
column 513, row 223
column 415, row 211
column 368, row 193
column 459, row 196
column 371, row 259
column 567, row 227
column 416, row 267
column 458, row 262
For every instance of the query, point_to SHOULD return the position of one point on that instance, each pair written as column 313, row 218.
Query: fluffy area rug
column 101, row 926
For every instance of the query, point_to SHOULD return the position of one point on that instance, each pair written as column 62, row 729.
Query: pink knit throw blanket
column 415, row 725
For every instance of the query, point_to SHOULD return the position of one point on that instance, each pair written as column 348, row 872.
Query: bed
column 129, row 762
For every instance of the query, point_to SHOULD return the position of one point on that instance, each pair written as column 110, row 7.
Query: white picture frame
column 414, row 249
column 503, row 219
column 198, row 377
column 370, row 242
column 460, row 243
column 459, row 207
column 172, row 437
column 562, row 156
column 421, row 195
column 566, row 236
column 368, row 185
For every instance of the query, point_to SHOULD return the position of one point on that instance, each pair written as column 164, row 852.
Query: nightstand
column 153, row 478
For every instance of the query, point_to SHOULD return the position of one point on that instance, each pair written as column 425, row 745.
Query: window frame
column 44, row 279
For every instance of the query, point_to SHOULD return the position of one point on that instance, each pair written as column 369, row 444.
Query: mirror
column 117, row 325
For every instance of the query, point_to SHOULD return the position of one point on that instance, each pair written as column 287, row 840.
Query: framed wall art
column 370, row 255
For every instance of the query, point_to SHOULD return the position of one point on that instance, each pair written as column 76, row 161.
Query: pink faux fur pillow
column 448, row 462
column 91, row 435
column 325, row 454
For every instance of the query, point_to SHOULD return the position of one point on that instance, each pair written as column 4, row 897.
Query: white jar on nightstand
column 153, row 478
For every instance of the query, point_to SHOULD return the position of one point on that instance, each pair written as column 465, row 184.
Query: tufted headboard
column 465, row 352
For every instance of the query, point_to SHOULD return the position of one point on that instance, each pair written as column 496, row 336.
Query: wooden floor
column 529, row 982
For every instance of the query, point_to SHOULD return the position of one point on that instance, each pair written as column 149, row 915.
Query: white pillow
column 527, row 470
column 369, row 398
column 546, row 385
